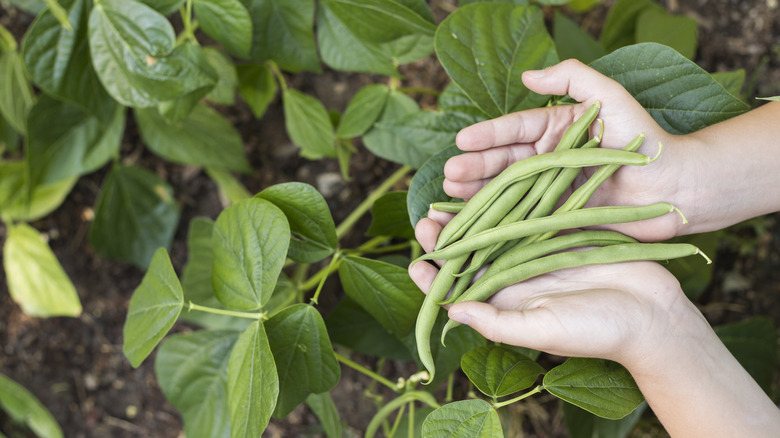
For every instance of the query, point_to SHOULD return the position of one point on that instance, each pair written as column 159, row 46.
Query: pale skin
column 633, row 313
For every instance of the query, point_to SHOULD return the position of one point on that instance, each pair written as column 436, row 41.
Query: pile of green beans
column 512, row 228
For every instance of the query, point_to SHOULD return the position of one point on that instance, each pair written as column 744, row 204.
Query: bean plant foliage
column 254, row 274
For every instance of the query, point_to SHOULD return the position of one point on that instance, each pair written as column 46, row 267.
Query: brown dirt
column 76, row 368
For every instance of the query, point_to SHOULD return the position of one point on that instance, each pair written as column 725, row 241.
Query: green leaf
column 463, row 419
column 283, row 31
column 256, row 85
column 313, row 233
column 390, row 218
column 363, row 110
column 191, row 369
column 224, row 93
column 620, row 26
column 732, row 81
column 308, row 124
column 303, row 354
column 165, row 7
column 205, row 138
column 342, row 50
column 250, row 243
column 59, row 61
column 655, row 25
column 31, row 6
column 426, row 186
column 135, row 214
column 384, row 290
column 572, row 41
column 65, row 141
column 253, row 384
column 380, row 21
column 415, row 137
column 16, row 95
column 351, row 326
column 456, row 103
column 154, row 308
column 132, row 48
column 754, row 343
column 9, row 139
column 36, row 280
column 228, row 22
column 387, row 143
column 14, row 189
column 22, row 406
column 229, row 186
column 326, row 411
column 679, row 95
column 182, row 106
column 498, row 371
column 485, row 48
column 600, row 387
column 583, row 424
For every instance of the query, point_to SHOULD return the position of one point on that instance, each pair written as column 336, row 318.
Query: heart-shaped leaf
column 252, row 383
column 498, row 371
column 463, row 419
column 304, row 356
column 251, row 238
column 154, row 307
column 485, row 48
column 256, row 85
column 308, row 124
column 600, row 387
column 313, row 233
column 22, row 406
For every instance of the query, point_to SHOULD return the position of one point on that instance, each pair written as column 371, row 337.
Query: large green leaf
column 485, row 48
column 308, row 124
column 343, row 50
column 36, row 280
column 204, row 138
column 655, row 25
column 59, row 61
column 228, row 22
column 16, row 95
column 224, row 92
column 498, row 371
column 65, row 141
column 732, row 81
column 180, row 108
column 351, row 326
column 754, row 343
column 583, row 424
column 22, row 406
column 31, row 6
column 154, row 308
column 256, row 85
column 384, row 290
column 389, row 217
column 283, row 31
column 192, row 371
column 363, row 110
column 389, row 144
column 16, row 203
column 251, row 238
column 601, row 387
column 313, row 232
column 380, row 21
column 135, row 214
column 164, row 7
column 679, row 94
column 571, row 40
column 456, row 103
column 134, row 53
column 415, row 137
column 253, row 384
column 620, row 26
column 426, row 186
column 463, row 419
column 326, row 411
column 304, row 356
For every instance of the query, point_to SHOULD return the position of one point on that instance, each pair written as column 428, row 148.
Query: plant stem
column 261, row 316
column 360, row 368
column 364, row 206
column 278, row 73
column 333, row 262
column 536, row 390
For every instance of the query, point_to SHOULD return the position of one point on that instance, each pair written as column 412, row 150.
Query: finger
column 475, row 166
column 426, row 232
column 463, row 190
column 516, row 128
column 574, row 78
column 422, row 274
column 511, row 327
column 440, row 217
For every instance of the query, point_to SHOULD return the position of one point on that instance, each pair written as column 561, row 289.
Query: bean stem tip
column 684, row 219
column 658, row 154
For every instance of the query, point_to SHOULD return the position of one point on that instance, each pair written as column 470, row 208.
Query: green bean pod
column 449, row 207
column 485, row 196
column 518, row 255
column 564, row 221
column 572, row 259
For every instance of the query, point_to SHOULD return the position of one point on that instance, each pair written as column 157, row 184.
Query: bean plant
column 256, row 273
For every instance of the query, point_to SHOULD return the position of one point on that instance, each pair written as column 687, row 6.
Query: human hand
column 493, row 145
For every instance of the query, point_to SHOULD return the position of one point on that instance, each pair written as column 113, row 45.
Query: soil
column 76, row 367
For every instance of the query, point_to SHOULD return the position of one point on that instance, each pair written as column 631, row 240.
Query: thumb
column 572, row 77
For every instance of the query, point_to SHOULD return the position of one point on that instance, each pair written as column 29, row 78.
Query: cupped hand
column 494, row 144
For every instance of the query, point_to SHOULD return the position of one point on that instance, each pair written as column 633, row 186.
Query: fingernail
column 462, row 318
